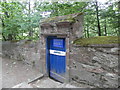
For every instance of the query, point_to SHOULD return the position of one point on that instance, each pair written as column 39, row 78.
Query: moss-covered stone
column 65, row 18
column 97, row 40
column 14, row 41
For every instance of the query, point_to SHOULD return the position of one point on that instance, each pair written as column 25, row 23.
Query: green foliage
column 11, row 14
column 20, row 20
column 59, row 9
column 108, row 17
column 17, row 23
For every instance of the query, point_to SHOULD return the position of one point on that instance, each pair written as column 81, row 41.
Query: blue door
column 56, row 58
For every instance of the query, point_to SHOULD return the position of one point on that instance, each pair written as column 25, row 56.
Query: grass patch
column 97, row 40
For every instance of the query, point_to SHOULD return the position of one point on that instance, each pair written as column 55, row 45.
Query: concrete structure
column 68, row 27
column 94, row 65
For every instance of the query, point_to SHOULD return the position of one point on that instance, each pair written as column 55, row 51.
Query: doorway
column 56, row 57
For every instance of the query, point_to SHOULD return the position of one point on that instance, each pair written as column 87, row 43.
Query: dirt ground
column 15, row 72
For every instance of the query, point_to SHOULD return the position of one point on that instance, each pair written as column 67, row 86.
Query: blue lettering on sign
column 58, row 43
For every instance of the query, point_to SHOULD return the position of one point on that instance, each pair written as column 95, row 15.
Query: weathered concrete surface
column 0, row 65
column 23, row 50
column 15, row 72
column 45, row 83
column 49, row 83
column 95, row 66
column 23, row 85
column 61, row 27
column 0, row 73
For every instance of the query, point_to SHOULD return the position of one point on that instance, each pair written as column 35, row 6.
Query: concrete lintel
column 55, row 34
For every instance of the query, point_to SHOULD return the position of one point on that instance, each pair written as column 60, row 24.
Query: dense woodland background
column 20, row 19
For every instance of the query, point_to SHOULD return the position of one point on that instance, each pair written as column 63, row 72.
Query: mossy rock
column 14, row 41
column 97, row 40
column 65, row 18
column 28, row 41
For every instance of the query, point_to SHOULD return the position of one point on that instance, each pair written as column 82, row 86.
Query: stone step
column 23, row 85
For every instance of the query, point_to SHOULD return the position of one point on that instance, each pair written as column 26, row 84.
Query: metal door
column 57, row 58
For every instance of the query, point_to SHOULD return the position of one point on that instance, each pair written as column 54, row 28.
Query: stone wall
column 93, row 65
column 96, row 66
column 24, row 50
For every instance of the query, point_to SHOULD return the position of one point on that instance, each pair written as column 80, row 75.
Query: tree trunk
column 105, row 28
column 84, row 32
column 118, row 29
column 4, row 37
column 30, row 29
column 10, row 37
column 87, row 31
column 3, row 25
column 98, row 22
